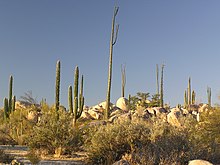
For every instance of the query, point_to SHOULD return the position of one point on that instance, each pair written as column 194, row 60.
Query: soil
column 20, row 152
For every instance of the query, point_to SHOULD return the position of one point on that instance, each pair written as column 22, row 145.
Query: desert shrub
column 5, row 137
column 33, row 157
column 20, row 126
column 5, row 158
column 154, row 142
column 52, row 134
column 106, row 144
column 206, row 136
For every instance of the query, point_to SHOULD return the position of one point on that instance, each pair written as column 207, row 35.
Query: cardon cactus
column 70, row 99
column 57, row 87
column 78, row 98
column 10, row 94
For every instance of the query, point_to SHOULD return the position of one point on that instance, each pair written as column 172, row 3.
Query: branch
column 116, row 34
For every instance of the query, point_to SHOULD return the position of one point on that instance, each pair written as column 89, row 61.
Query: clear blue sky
column 184, row 35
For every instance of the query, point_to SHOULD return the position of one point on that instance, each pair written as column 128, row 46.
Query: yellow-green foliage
column 153, row 141
column 206, row 135
column 50, row 133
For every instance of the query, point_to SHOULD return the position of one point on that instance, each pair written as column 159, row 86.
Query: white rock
column 172, row 118
column 199, row 162
column 122, row 103
column 94, row 114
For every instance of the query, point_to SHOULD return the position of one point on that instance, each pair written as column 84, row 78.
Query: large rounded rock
column 122, row 103
column 199, row 162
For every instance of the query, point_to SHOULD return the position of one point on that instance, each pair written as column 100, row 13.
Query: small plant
column 5, row 158
column 33, row 157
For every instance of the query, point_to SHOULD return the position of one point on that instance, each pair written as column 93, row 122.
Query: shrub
column 107, row 144
column 33, row 157
column 5, row 158
column 52, row 135
column 154, row 142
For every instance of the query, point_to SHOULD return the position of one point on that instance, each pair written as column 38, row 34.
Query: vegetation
column 52, row 130
column 123, row 80
column 78, row 98
column 5, row 158
column 57, row 87
column 112, row 43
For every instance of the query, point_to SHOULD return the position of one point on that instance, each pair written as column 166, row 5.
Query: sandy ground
column 19, row 153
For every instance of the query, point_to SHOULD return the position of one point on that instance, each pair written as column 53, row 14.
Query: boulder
column 199, row 162
column 95, row 114
column 121, row 162
column 172, row 117
column 85, row 115
column 203, row 108
column 122, row 103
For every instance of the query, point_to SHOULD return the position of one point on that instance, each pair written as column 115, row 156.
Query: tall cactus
column 161, row 86
column 57, row 87
column 70, row 99
column 189, row 92
column 112, row 43
column 6, row 109
column 123, row 80
column 157, row 79
column 193, row 97
column 13, row 103
column 10, row 94
column 209, row 93
column 78, row 98
column 185, row 99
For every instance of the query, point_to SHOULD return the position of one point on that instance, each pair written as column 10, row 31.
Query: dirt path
column 19, row 153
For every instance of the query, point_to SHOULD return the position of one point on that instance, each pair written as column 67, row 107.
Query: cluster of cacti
column 123, row 80
column 189, row 97
column 78, row 98
column 9, row 103
column 57, row 87
column 209, row 94
column 112, row 43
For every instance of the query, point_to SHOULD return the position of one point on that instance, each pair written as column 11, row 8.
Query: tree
column 112, row 43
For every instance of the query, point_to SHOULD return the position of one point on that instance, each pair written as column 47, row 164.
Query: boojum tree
column 113, row 40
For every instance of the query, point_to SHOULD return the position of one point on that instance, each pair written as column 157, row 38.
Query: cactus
column 57, row 87
column 185, row 99
column 13, row 103
column 209, row 93
column 189, row 92
column 157, row 79
column 123, row 82
column 70, row 99
column 193, row 97
column 10, row 95
column 112, row 43
column 161, row 86
column 6, row 109
column 78, row 100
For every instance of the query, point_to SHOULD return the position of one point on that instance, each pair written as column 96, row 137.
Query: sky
column 183, row 35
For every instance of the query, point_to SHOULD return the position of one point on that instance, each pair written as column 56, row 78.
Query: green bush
column 206, row 136
column 154, row 142
column 53, row 135
column 106, row 144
